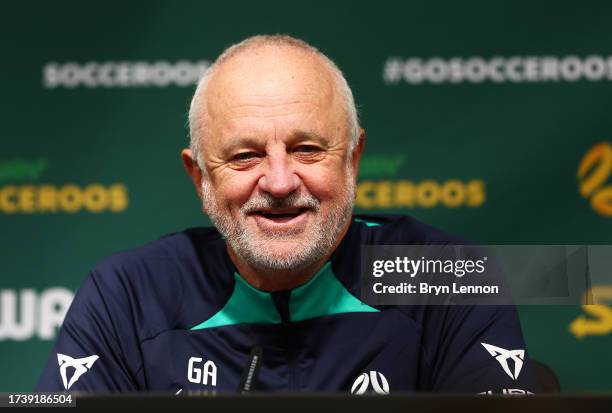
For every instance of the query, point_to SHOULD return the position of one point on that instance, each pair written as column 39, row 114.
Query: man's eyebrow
column 236, row 142
column 296, row 136
column 299, row 134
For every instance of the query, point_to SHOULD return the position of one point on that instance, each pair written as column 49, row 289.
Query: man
column 269, row 300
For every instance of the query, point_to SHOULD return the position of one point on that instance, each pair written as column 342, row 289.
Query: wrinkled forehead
column 272, row 80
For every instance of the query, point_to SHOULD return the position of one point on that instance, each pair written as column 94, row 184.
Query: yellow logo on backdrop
column 593, row 172
column 424, row 194
column 600, row 321
column 69, row 198
column 380, row 187
column 23, row 194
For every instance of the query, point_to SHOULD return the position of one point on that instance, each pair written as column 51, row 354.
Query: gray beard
column 254, row 250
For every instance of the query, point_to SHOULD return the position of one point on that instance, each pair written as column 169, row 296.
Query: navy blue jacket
column 174, row 315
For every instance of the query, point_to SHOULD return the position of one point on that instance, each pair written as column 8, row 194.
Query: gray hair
column 196, row 121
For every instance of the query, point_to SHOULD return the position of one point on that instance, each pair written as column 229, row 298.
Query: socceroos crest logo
column 594, row 170
column 597, row 320
column 376, row 380
column 80, row 366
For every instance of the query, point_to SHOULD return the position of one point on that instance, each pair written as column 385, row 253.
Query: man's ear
column 357, row 152
column 193, row 170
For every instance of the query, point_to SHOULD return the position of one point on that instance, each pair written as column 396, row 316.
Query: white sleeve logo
column 81, row 366
column 502, row 356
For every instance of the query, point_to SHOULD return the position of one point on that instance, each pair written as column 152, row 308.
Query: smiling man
column 269, row 299
column 274, row 154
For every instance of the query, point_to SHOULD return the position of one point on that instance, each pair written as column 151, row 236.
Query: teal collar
column 322, row 295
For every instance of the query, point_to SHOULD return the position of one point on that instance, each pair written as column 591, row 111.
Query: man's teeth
column 280, row 214
column 273, row 214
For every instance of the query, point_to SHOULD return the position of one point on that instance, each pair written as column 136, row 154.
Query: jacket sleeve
column 479, row 349
column 97, row 349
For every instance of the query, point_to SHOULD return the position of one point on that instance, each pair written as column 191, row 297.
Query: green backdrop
column 477, row 117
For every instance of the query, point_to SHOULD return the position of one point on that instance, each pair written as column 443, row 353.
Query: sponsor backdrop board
column 490, row 121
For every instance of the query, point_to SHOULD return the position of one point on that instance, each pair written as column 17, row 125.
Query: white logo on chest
column 375, row 379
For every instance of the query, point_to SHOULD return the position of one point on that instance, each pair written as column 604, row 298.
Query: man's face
column 280, row 177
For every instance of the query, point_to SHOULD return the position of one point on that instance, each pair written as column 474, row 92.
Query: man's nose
column 279, row 179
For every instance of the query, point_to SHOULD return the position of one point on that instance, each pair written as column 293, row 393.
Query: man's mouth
column 279, row 215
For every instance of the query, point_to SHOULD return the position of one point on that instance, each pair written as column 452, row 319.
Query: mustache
column 295, row 200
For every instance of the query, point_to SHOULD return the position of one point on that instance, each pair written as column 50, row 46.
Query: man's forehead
column 269, row 76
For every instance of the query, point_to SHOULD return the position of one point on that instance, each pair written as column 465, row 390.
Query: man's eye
column 244, row 156
column 307, row 149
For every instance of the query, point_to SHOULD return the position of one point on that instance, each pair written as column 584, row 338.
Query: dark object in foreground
column 354, row 404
